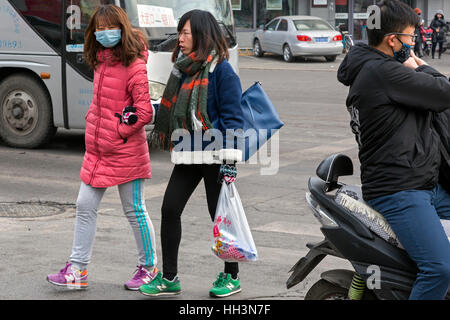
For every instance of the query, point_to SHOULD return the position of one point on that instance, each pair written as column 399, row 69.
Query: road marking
column 289, row 227
column 287, row 69
column 153, row 191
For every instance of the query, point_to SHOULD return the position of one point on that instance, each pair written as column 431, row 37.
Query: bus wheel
column 26, row 118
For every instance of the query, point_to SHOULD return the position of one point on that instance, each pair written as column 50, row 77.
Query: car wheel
column 287, row 54
column 330, row 58
column 257, row 50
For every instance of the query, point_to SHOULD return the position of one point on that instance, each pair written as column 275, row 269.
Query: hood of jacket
column 355, row 60
column 439, row 12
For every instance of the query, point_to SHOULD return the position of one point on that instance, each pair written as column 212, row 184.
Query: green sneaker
column 225, row 286
column 160, row 286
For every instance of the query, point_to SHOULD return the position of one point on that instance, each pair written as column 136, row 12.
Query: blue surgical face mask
column 108, row 38
column 404, row 53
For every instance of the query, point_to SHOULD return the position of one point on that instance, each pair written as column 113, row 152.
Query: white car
column 293, row 36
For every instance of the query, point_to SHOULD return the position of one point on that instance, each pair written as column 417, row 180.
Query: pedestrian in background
column 439, row 27
column 116, row 147
column 418, row 44
column 203, row 91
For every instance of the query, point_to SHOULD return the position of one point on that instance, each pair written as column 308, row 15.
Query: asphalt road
column 311, row 103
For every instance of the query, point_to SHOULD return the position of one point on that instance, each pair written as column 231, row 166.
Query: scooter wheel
column 324, row 290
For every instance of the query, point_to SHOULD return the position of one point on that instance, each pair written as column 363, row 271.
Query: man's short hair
column 395, row 16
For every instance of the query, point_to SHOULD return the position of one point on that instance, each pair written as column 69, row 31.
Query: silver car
column 293, row 36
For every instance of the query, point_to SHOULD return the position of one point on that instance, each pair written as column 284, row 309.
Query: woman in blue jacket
column 202, row 97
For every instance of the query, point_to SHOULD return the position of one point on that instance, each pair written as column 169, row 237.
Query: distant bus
column 45, row 83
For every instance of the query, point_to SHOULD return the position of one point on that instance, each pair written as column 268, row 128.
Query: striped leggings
column 133, row 203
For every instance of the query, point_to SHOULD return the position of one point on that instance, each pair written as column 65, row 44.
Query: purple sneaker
column 69, row 277
column 141, row 276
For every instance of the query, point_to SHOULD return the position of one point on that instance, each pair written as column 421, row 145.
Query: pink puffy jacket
column 108, row 160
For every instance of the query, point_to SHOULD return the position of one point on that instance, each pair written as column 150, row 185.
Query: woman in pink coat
column 116, row 144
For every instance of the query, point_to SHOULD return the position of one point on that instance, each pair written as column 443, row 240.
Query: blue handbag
column 259, row 115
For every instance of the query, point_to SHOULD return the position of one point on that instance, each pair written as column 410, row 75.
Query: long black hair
column 206, row 36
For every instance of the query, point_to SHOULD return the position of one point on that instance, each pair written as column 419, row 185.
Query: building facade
column 249, row 14
column 347, row 15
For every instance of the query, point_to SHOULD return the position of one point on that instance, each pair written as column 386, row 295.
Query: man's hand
column 411, row 63
column 419, row 61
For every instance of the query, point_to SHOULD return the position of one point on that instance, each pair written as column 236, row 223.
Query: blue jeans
column 414, row 217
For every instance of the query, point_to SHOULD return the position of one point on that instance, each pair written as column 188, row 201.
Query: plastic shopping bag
column 233, row 241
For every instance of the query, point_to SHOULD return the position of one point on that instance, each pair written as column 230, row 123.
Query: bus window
column 44, row 16
column 159, row 19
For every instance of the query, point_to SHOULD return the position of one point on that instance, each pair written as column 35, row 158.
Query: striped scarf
column 183, row 105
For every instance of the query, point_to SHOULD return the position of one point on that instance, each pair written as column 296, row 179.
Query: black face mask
column 404, row 53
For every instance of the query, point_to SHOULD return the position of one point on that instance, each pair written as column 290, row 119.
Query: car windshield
column 159, row 18
column 310, row 25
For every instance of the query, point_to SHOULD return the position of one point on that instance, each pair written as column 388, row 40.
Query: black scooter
column 355, row 232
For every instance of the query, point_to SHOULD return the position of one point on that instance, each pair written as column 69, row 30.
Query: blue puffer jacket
column 224, row 112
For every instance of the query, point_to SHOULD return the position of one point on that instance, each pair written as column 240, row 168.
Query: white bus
column 44, row 81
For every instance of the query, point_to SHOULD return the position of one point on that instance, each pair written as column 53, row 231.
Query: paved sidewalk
column 316, row 124
column 309, row 100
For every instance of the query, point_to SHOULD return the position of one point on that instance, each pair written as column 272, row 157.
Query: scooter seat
column 350, row 197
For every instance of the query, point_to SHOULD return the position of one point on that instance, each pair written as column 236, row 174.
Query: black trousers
column 434, row 45
column 418, row 47
column 182, row 183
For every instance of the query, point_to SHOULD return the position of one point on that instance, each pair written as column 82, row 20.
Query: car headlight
column 156, row 89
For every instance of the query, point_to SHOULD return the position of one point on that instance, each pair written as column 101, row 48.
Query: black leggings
column 182, row 183
column 434, row 45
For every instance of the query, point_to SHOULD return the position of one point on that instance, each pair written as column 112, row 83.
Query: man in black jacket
column 393, row 100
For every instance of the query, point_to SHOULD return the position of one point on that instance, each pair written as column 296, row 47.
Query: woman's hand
column 227, row 173
column 129, row 116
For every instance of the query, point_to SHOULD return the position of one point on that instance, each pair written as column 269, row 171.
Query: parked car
column 293, row 36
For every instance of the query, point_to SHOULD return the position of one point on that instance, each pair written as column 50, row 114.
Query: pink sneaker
column 69, row 277
column 141, row 276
